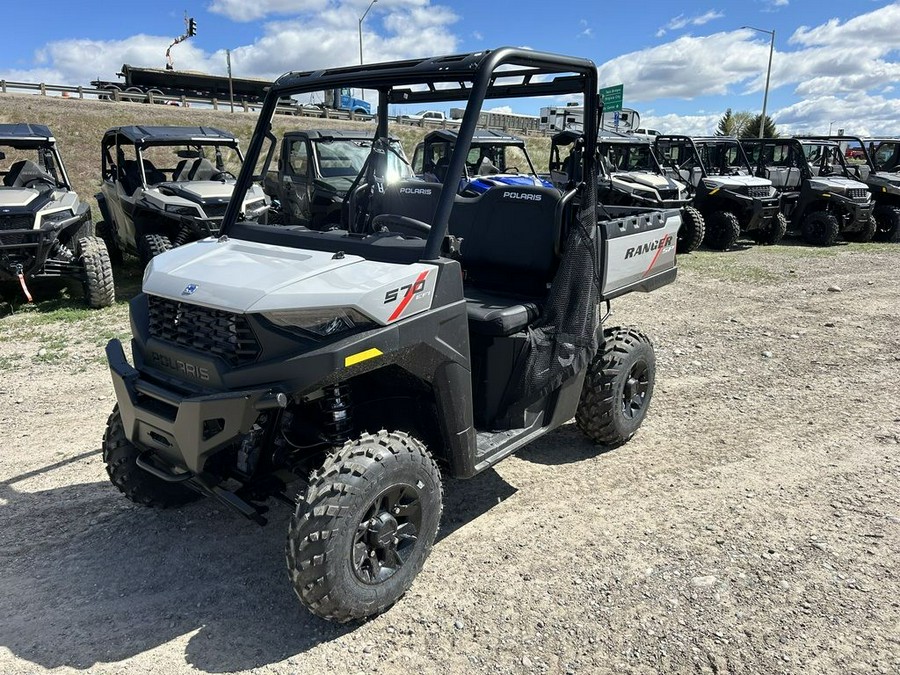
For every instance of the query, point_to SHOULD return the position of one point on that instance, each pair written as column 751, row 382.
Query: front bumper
column 761, row 213
column 183, row 430
column 28, row 249
column 857, row 214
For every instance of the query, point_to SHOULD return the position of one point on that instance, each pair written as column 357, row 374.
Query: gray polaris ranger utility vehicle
column 732, row 200
column 46, row 231
column 166, row 186
column 432, row 334
column 876, row 162
column 314, row 171
column 630, row 175
column 819, row 197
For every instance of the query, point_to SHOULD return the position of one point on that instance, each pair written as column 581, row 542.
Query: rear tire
column 722, row 230
column 140, row 487
column 618, row 387
column 888, row 218
column 99, row 287
column 773, row 232
column 692, row 230
column 820, row 228
column 151, row 245
column 105, row 232
column 864, row 235
column 367, row 524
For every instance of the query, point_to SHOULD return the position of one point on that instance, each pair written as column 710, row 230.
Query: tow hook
column 20, row 273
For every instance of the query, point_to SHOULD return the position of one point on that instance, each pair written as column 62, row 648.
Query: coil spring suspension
column 337, row 406
column 58, row 250
column 182, row 237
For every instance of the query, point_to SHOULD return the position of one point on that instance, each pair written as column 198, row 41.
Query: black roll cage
column 838, row 139
column 796, row 144
column 506, row 72
column 676, row 138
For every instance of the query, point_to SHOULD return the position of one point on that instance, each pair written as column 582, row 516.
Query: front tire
column 722, row 230
column 368, row 521
column 772, row 233
column 99, row 288
column 151, row 245
column 692, row 230
column 618, row 387
column 865, row 234
column 140, row 487
column 820, row 228
column 888, row 218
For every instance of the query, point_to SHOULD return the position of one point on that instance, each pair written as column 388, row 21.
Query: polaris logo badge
column 415, row 191
column 635, row 251
column 190, row 289
column 180, row 366
column 524, row 196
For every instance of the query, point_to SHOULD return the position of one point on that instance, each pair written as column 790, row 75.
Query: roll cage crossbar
column 705, row 172
column 796, row 145
column 506, row 72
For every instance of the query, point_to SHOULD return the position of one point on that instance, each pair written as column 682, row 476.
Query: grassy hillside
column 79, row 125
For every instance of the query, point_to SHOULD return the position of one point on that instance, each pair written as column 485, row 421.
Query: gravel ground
column 752, row 525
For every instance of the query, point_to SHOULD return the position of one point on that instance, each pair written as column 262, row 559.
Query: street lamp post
column 361, row 19
column 362, row 92
column 762, row 121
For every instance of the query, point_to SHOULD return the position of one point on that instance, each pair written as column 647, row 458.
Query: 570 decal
column 405, row 294
column 414, row 288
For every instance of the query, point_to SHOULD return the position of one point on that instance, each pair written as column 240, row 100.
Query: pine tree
column 751, row 129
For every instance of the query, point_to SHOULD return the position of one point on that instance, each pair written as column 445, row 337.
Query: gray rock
column 704, row 582
column 834, row 288
column 767, row 355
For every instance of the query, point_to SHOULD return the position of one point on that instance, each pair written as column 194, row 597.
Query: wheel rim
column 387, row 534
column 634, row 393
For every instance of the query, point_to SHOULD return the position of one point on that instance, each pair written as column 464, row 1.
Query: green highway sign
column 612, row 97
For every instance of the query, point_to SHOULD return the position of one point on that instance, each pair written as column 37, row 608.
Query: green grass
column 727, row 266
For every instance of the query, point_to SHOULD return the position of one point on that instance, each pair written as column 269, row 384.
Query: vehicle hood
column 484, row 183
column 645, row 178
column 16, row 197
column 739, row 181
column 247, row 277
column 200, row 191
column 339, row 184
column 838, row 183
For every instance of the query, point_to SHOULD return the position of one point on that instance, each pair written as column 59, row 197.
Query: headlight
column 183, row 210
column 56, row 217
column 321, row 322
column 255, row 208
column 644, row 194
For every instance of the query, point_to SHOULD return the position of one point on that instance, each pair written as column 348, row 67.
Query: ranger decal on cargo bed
column 649, row 247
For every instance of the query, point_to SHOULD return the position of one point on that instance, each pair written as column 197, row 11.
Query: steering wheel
column 401, row 225
column 36, row 183
column 512, row 169
column 222, row 175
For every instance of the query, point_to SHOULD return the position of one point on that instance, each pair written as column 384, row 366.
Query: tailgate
column 637, row 246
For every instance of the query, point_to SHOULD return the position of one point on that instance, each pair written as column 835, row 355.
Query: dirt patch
column 752, row 525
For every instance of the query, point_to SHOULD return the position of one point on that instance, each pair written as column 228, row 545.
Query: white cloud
column 692, row 125
column 327, row 38
column 859, row 115
column 504, row 109
column 682, row 21
column 244, row 10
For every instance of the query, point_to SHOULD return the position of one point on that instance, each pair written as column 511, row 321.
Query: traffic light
column 192, row 27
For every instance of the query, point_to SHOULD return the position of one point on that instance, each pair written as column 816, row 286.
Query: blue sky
column 682, row 63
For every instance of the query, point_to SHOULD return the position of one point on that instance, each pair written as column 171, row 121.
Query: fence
column 134, row 95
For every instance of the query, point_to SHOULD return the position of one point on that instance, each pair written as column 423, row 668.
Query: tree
column 751, row 129
column 733, row 123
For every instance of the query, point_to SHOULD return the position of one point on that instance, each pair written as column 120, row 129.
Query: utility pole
column 361, row 19
column 230, row 85
column 762, row 121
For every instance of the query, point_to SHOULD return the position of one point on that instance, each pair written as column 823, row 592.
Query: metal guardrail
column 133, row 95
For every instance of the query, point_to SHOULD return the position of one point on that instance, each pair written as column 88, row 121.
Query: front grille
column 22, row 221
column 758, row 191
column 215, row 210
column 858, row 194
column 668, row 194
column 210, row 331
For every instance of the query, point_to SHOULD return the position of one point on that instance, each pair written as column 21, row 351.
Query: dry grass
column 79, row 125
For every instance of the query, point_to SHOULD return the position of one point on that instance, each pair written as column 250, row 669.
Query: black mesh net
column 565, row 339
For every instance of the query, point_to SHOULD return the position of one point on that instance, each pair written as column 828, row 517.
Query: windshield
column 194, row 162
column 723, row 159
column 346, row 158
column 886, row 155
column 28, row 166
column 825, row 159
column 629, row 157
